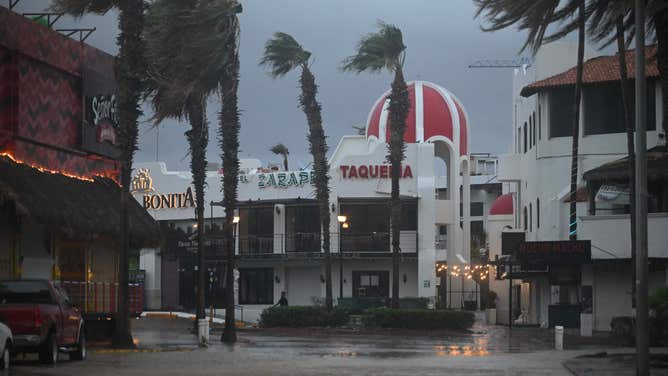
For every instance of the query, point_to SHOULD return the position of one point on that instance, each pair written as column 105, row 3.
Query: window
column 256, row 286
column 604, row 110
column 525, row 218
column 477, row 209
column 537, row 212
column 530, row 218
column 477, row 235
column 302, row 228
column 525, row 136
column 533, row 117
column 256, row 230
column 540, row 122
column 409, row 216
column 561, row 112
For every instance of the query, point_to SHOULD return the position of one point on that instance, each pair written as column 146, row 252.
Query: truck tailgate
column 20, row 318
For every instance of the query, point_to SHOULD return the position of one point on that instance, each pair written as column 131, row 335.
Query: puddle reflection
column 455, row 350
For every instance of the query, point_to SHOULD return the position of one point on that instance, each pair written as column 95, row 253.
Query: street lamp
column 343, row 224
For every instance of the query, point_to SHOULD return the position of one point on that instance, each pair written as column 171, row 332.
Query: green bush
column 413, row 303
column 303, row 316
column 418, row 319
column 658, row 303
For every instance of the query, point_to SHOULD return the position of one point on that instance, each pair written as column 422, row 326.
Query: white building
column 278, row 237
column 536, row 174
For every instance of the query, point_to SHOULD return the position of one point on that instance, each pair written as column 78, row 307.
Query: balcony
column 309, row 245
column 510, row 167
column 610, row 235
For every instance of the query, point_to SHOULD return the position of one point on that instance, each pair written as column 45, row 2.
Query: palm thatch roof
column 73, row 206
column 657, row 167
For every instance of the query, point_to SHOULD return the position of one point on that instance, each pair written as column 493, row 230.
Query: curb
column 134, row 351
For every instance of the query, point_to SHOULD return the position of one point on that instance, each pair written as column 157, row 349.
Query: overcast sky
column 442, row 39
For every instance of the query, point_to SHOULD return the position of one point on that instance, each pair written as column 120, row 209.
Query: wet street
column 166, row 348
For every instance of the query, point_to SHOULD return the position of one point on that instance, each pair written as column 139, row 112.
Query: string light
column 55, row 172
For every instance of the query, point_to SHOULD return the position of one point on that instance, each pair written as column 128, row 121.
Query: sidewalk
column 616, row 362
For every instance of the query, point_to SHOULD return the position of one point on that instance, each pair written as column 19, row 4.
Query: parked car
column 6, row 342
column 42, row 320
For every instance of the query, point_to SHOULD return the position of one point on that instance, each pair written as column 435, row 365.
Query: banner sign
column 281, row 179
column 567, row 252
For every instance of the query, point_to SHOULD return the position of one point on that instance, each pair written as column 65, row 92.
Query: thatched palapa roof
column 76, row 207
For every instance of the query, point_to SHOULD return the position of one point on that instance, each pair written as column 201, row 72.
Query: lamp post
column 342, row 219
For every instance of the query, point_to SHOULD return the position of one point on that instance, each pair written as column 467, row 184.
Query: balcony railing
column 311, row 243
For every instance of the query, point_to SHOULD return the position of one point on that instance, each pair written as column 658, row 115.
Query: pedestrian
column 283, row 301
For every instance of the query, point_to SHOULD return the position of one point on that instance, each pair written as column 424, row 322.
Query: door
column 371, row 284
column 70, row 318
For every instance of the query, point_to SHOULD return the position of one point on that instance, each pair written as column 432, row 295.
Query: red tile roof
column 596, row 70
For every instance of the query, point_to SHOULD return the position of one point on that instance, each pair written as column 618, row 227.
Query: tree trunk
column 129, row 67
column 661, row 25
column 576, row 124
column 198, row 138
column 318, row 148
column 229, row 143
column 285, row 162
column 399, row 105
column 624, row 82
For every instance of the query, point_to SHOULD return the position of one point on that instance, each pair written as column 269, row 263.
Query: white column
column 279, row 229
column 466, row 199
column 426, row 231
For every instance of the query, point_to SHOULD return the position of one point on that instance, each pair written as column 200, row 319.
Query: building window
column 540, row 122
column 256, row 230
column 561, row 112
column 478, row 238
column 530, row 218
column 525, row 136
column 302, row 228
column 604, row 109
column 477, row 209
column 533, row 117
column 256, row 286
column 537, row 212
column 530, row 133
column 525, row 218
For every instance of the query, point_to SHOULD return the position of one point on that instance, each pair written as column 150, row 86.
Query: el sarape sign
column 100, row 128
column 568, row 252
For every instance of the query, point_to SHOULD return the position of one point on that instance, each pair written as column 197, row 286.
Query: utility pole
column 642, row 311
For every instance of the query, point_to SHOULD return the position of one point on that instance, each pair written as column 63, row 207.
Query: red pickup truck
column 42, row 319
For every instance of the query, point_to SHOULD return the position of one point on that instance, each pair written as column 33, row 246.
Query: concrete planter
column 490, row 316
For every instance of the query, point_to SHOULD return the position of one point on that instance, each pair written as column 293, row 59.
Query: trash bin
column 559, row 337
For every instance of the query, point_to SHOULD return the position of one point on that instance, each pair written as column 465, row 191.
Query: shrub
column 303, row 316
column 623, row 330
column 658, row 303
column 413, row 303
column 418, row 319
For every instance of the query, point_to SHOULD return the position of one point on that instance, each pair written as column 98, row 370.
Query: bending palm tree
column 282, row 150
column 183, row 72
column 536, row 17
column 176, row 93
column 130, row 69
column 282, row 54
column 385, row 49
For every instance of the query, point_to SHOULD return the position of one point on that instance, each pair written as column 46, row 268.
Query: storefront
column 59, row 191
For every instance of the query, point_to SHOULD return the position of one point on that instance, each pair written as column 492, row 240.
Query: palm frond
column 282, row 53
column 383, row 49
column 78, row 8
column 280, row 149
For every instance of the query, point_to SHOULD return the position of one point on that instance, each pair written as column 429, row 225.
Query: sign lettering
column 383, row 171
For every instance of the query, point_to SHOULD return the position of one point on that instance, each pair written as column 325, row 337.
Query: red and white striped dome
column 435, row 114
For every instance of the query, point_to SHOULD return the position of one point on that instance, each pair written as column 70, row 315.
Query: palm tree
column 130, row 69
column 283, row 54
column 280, row 149
column 191, row 49
column 180, row 96
column 608, row 17
column 537, row 16
column 385, row 49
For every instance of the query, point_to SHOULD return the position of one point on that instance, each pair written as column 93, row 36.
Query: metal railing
column 102, row 296
column 305, row 243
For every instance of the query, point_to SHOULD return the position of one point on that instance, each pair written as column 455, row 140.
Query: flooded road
column 167, row 348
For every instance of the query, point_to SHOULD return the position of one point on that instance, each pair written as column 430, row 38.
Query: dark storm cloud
column 442, row 39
